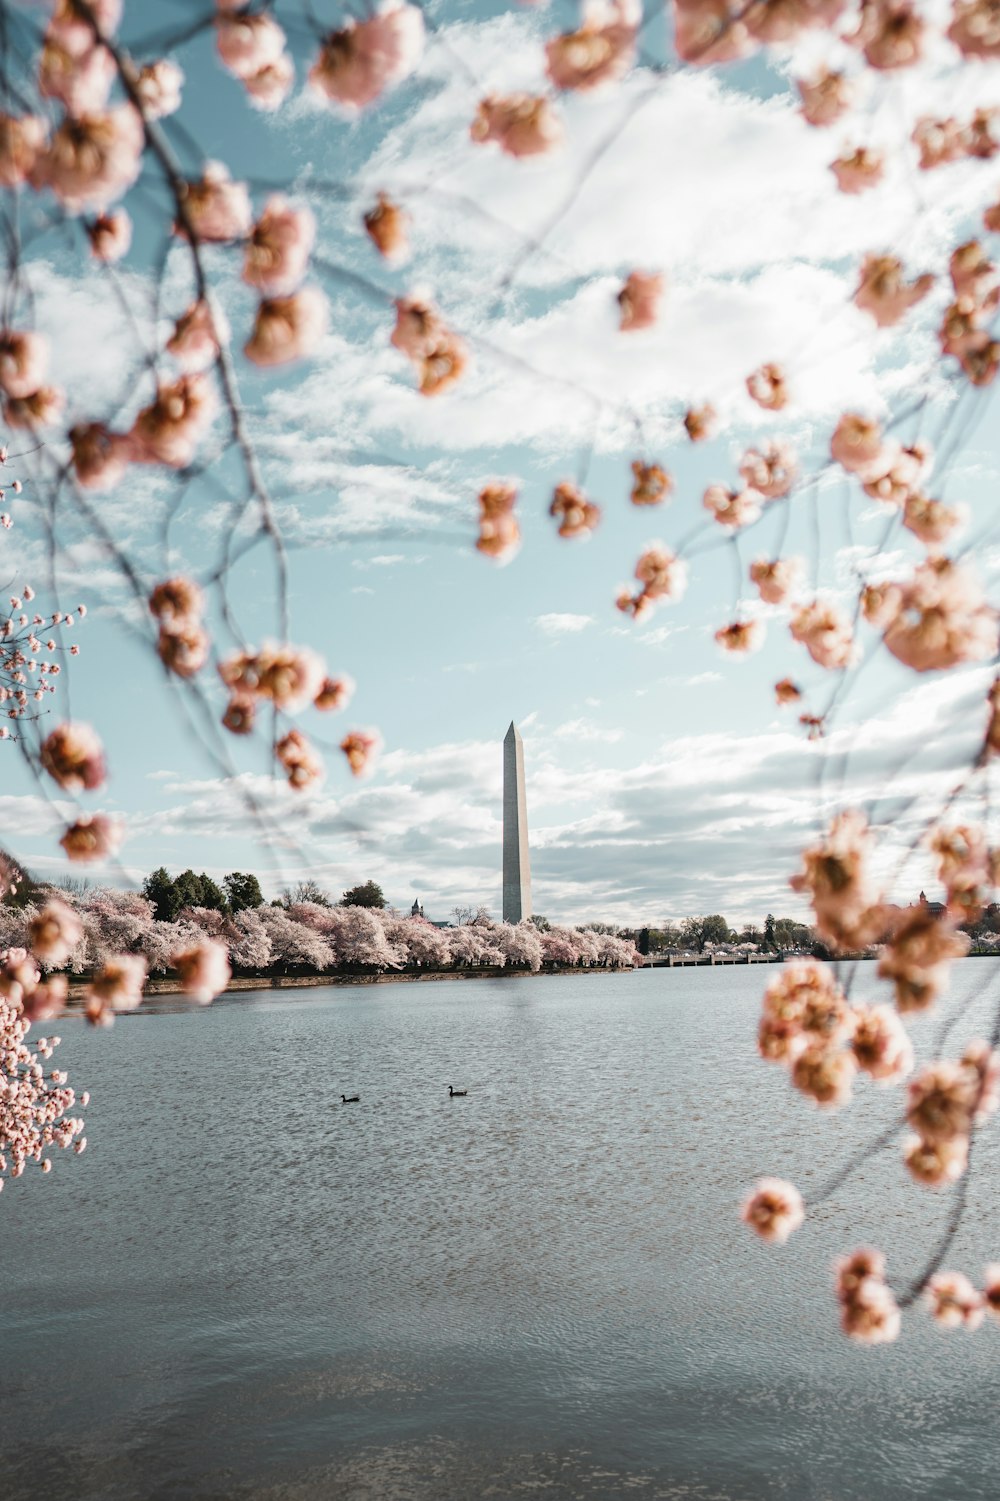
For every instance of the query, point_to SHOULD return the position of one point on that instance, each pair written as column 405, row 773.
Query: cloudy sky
column 661, row 778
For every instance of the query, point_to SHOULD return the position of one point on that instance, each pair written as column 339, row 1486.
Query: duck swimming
column 457, row 1094
column 353, row 1099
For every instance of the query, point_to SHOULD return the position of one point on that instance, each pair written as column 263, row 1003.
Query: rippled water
column 246, row 1290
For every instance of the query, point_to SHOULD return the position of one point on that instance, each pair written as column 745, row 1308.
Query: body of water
column 244, row 1289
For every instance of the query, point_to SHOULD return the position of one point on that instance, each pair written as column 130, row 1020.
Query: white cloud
column 563, row 624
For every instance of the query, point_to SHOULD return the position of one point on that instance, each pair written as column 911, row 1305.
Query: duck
column 456, row 1094
column 354, row 1099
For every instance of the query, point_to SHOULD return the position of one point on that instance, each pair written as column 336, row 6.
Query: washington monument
column 516, row 866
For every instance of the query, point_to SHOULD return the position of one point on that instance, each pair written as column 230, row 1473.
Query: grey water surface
column 244, row 1289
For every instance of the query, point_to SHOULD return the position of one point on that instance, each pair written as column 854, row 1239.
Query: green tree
column 769, row 939
column 714, row 929
column 242, row 891
column 212, row 894
column 368, row 895
column 161, row 890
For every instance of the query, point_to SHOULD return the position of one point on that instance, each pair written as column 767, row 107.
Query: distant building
column 936, row 909
column 416, row 910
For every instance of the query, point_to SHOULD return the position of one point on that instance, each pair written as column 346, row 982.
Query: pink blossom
column 709, row 31
column 732, row 508
column 662, row 574
column 883, row 291
column 768, row 388
column 862, row 170
column 699, row 422
column 215, row 207
column 24, row 358
column 894, row 475
column 953, row 1302
column 786, row 692
column 975, row 28
column 872, row 1316
column 203, row 969
column 825, row 633
column 194, row 341
column 116, row 987
column 54, row 932
column 856, row 442
column 73, row 756
column 499, row 533
column 741, row 636
column 601, row 51
column 75, row 71
column 92, row 159
column 110, row 236
column 239, row 716
column 972, row 272
column 836, row 875
column 359, row 62
column 360, row 747
column 520, row 124
column 936, row 1164
column 159, row 87
column 770, row 471
column 248, row 41
column 94, row 836
column 880, row 1044
column 100, row 457
column 639, row 301
column 931, row 521
column 287, row 328
column 774, row 1210
column 279, row 246
column 941, row 1100
column 268, row 88
column 41, row 409
column 824, row 1074
column 577, row 516
column 176, row 601
column 183, row 649
column 22, row 139
column 776, row 579
column 386, row 225
column 334, row 693
column 651, row 484
column 304, row 767
column 825, row 98
column 418, row 329
column 168, row 431
column 938, row 142
column 891, row 34
column 942, row 619
column 290, row 676
column 777, row 21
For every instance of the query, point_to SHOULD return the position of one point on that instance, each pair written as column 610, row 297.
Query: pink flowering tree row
column 95, row 143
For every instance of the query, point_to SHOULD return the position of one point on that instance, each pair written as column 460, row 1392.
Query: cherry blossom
column 520, row 124
column 386, row 225
column 942, row 619
column 825, row 633
column 577, row 516
column 917, row 957
column 953, row 1302
column 287, row 328
column 54, row 932
column 732, row 508
column 359, row 62
column 100, row 457
column 73, row 756
column 203, row 970
column 334, row 693
column 499, row 532
column 302, row 765
column 110, row 236
column 159, row 87
column 601, row 51
column 215, row 207
column 883, row 291
column 774, row 1210
column 699, row 422
column 862, row 170
column 837, row 878
column 826, row 97
column 94, row 836
column 117, row 986
column 776, row 579
column 868, row 1311
column 360, row 747
column 22, row 140
column 767, row 387
column 651, row 484
column 741, row 636
column 639, row 301
column 169, row 430
column 278, row 247
column 91, row 159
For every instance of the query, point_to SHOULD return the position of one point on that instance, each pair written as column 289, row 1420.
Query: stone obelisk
column 516, row 866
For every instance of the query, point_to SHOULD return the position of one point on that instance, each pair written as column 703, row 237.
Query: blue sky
column 661, row 778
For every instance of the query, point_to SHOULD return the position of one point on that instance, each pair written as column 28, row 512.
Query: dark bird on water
column 353, row 1099
column 457, row 1094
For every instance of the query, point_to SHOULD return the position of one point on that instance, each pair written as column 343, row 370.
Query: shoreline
column 242, row 984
